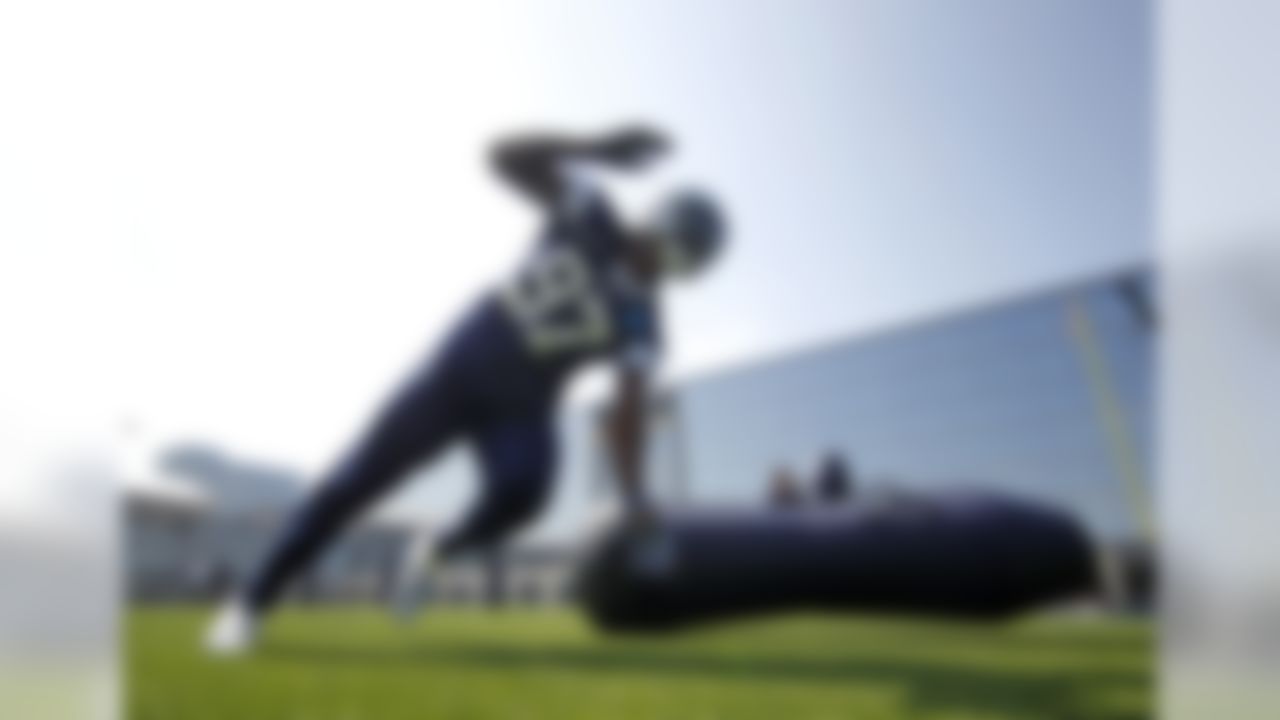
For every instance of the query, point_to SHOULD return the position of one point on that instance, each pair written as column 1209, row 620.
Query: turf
column 353, row 664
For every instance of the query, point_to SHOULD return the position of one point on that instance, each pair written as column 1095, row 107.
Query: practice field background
column 355, row 664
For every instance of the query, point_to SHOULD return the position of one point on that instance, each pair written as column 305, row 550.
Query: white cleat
column 233, row 632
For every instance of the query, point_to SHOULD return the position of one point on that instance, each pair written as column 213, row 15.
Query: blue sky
column 283, row 204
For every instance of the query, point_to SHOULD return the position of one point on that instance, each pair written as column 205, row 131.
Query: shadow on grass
column 1070, row 693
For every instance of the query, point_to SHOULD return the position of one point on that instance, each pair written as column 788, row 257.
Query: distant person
column 834, row 483
column 784, row 489
column 589, row 291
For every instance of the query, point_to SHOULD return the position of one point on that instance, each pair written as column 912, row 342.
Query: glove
column 631, row 147
column 651, row 546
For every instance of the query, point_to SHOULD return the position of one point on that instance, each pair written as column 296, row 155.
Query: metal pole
column 1115, row 424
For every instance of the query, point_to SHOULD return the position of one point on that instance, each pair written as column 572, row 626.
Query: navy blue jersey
column 576, row 298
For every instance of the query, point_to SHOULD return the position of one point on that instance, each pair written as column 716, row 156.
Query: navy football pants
column 460, row 398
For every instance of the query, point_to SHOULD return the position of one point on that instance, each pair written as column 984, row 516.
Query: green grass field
column 356, row 665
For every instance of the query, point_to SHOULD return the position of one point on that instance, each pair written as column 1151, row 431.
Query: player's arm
column 538, row 164
column 627, row 432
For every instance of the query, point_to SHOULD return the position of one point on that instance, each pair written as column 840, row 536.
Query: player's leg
column 420, row 420
column 517, row 459
column 518, row 463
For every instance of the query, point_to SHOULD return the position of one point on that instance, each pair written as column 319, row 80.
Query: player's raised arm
column 628, row 436
column 537, row 163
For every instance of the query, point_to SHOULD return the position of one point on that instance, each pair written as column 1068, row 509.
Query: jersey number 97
column 555, row 304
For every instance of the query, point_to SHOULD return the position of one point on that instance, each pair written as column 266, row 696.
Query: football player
column 588, row 291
